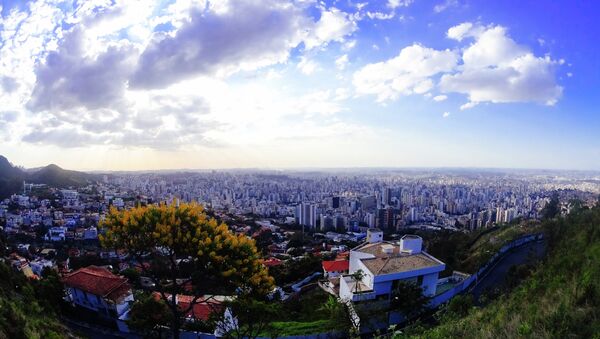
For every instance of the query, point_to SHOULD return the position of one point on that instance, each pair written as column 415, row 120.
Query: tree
column 186, row 251
column 408, row 298
column 263, row 238
column 148, row 315
column 357, row 277
column 552, row 209
column 297, row 240
column 246, row 317
column 132, row 275
column 338, row 314
column 49, row 290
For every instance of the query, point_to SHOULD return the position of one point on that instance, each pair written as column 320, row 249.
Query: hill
column 11, row 177
column 558, row 300
column 54, row 176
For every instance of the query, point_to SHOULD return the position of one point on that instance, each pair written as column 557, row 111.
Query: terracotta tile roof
column 272, row 262
column 336, row 265
column 99, row 281
column 200, row 311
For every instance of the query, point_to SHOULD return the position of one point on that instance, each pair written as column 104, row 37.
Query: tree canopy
column 185, row 251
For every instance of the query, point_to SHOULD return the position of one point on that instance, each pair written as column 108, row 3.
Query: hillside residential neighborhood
column 356, row 240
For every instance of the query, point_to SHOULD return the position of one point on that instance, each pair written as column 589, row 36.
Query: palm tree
column 357, row 278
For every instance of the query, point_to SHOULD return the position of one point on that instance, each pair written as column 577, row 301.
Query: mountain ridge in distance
column 12, row 177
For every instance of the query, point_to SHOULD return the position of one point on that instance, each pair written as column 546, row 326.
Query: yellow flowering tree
column 183, row 250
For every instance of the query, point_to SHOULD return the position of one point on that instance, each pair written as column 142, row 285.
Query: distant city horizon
column 322, row 169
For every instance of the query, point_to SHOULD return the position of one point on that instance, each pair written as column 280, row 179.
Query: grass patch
column 290, row 328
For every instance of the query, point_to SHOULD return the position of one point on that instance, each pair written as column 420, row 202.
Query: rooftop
column 99, row 281
column 377, row 249
column 336, row 265
column 399, row 263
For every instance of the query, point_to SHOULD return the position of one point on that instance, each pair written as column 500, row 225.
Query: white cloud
column 445, row 114
column 496, row 69
column 439, row 98
column 399, row 3
column 445, row 5
column 461, row 31
column 223, row 40
column 408, row 73
column 341, row 62
column 334, row 25
column 380, row 15
column 307, row 66
column 468, row 105
column 348, row 45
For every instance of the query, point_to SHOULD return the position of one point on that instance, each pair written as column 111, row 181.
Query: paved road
column 526, row 254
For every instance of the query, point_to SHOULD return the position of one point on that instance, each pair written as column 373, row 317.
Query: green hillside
column 560, row 299
column 27, row 309
column 11, row 178
column 55, row 176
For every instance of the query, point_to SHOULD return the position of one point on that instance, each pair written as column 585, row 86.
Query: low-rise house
column 99, row 290
column 385, row 264
column 202, row 308
column 334, row 268
column 58, row 233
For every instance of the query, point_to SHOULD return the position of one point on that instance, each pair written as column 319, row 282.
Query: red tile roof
column 98, row 281
column 336, row 265
column 201, row 310
column 272, row 262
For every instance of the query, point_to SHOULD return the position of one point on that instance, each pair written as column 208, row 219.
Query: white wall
column 355, row 263
column 411, row 243
column 99, row 304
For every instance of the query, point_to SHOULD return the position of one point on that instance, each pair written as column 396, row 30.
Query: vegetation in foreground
column 559, row 300
column 26, row 307
column 187, row 250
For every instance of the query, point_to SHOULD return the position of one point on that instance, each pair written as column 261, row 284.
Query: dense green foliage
column 466, row 252
column 28, row 309
column 558, row 300
column 294, row 270
column 313, row 312
column 149, row 316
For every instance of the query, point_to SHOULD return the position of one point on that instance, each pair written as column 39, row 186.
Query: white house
column 56, row 233
column 97, row 289
column 384, row 264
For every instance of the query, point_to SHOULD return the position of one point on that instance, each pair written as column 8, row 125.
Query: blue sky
column 280, row 84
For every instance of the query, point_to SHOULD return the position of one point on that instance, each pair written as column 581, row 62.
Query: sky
column 182, row 84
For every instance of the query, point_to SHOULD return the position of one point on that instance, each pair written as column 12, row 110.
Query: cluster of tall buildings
column 349, row 201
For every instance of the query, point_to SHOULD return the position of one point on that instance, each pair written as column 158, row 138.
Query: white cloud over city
column 222, row 74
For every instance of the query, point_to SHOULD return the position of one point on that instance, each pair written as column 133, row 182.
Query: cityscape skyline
column 139, row 85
